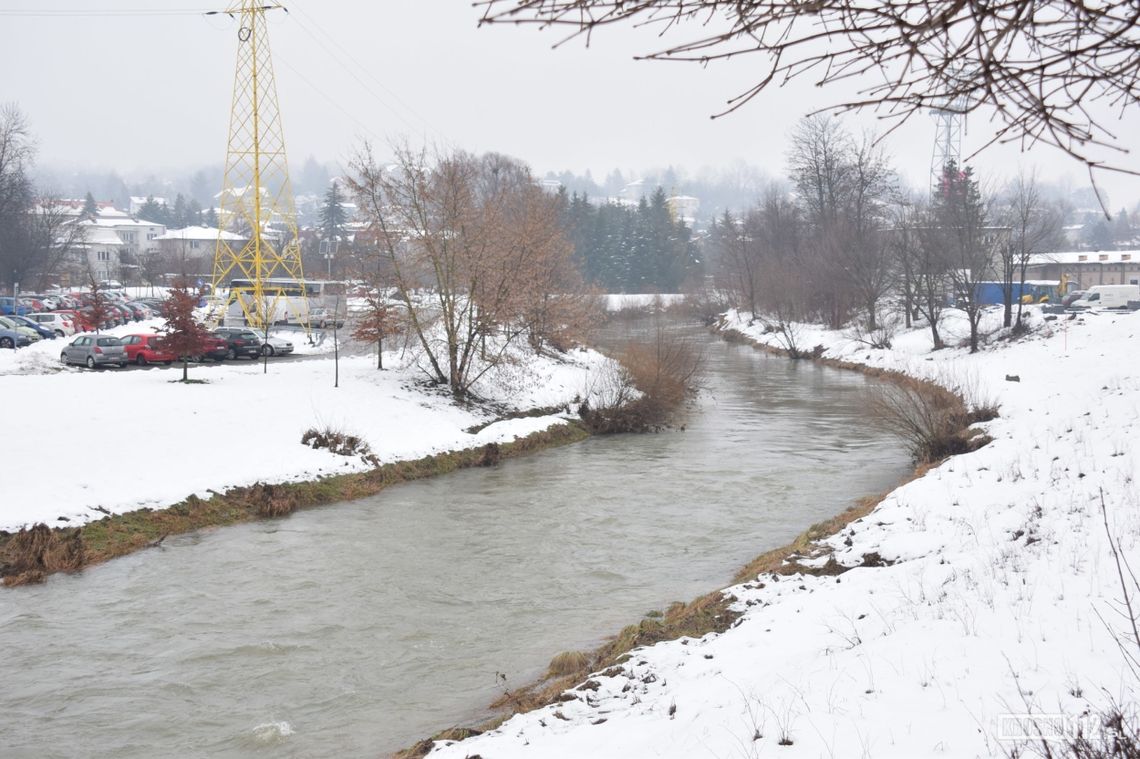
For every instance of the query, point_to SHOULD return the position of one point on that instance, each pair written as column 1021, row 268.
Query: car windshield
column 1092, row 296
column 109, row 341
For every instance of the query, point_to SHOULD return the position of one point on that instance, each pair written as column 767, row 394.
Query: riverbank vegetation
column 33, row 553
column 648, row 385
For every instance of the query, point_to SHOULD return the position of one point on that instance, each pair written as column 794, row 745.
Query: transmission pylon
column 949, row 119
column 256, row 201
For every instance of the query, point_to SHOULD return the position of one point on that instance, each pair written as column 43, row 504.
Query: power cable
column 355, row 67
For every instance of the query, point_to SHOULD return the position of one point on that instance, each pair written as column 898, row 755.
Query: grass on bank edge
column 30, row 555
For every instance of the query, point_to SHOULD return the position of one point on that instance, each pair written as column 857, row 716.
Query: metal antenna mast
column 256, row 200
column 949, row 119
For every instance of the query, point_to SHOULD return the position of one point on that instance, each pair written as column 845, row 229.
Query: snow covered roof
column 95, row 235
column 105, row 220
column 1085, row 257
column 199, row 233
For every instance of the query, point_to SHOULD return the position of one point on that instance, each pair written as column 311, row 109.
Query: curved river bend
column 356, row 629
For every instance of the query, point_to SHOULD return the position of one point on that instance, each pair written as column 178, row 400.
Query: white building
column 101, row 250
column 138, row 237
column 191, row 250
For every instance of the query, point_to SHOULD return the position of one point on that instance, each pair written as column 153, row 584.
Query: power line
column 356, row 67
column 104, row 12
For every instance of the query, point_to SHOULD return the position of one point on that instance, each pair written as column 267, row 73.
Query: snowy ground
column 638, row 301
column 120, row 439
column 992, row 609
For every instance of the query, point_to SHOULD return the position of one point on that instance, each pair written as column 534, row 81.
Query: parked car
column 58, row 322
column 79, row 320
column 1072, row 297
column 215, row 348
column 11, row 339
column 45, row 333
column 35, row 304
column 9, row 305
column 147, row 349
column 322, row 318
column 141, row 310
column 1108, row 296
column 94, row 350
column 276, row 346
column 6, row 322
column 239, row 342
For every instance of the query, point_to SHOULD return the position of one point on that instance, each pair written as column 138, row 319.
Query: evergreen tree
column 153, row 212
column 333, row 217
column 211, row 218
column 180, row 216
column 90, row 207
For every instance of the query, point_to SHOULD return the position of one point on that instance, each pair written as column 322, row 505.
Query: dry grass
column 567, row 663
column 32, row 554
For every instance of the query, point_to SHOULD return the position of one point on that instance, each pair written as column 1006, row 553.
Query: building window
column 1082, row 258
column 1125, row 256
column 1102, row 257
column 195, row 244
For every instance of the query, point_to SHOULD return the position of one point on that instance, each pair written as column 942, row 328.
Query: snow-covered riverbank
column 81, row 440
column 994, row 603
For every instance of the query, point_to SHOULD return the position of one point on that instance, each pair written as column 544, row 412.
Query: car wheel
column 231, row 354
column 90, row 362
column 167, row 363
column 140, row 359
column 122, row 364
column 6, row 342
column 267, row 350
column 63, row 358
column 59, row 333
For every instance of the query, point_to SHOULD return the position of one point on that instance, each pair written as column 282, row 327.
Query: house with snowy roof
column 191, row 250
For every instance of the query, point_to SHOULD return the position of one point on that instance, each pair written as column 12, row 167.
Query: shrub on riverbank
column 933, row 421
column 655, row 379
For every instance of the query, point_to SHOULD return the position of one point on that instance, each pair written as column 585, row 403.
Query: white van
column 1108, row 296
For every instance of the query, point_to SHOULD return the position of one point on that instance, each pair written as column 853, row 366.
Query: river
column 355, row 629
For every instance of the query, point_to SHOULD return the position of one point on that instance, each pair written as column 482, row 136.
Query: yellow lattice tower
column 257, row 197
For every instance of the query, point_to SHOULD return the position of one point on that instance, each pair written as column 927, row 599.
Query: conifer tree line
column 846, row 244
column 631, row 249
column 179, row 215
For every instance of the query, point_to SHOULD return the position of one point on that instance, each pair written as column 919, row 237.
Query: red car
column 147, row 349
column 214, row 348
column 79, row 320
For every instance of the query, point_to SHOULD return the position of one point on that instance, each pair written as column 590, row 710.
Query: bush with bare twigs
column 654, row 380
column 933, row 422
column 339, row 442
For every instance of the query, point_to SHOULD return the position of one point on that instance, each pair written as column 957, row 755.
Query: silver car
column 94, row 350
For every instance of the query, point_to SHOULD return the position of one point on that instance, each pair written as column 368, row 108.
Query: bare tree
column 737, row 268
column 477, row 254
column 1037, row 65
column 16, row 192
column 918, row 243
column 1032, row 225
column 844, row 187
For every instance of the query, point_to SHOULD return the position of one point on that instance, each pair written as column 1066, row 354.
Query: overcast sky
column 145, row 94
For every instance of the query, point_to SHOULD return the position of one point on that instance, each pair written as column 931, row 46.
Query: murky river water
column 355, row 629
